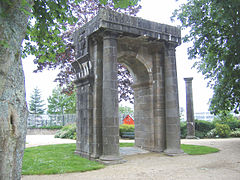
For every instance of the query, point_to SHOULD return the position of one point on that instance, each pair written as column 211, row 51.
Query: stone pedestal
column 189, row 109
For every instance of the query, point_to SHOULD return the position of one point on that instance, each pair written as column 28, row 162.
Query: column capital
column 188, row 79
column 171, row 45
column 110, row 35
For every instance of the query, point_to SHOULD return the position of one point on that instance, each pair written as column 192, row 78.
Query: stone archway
column 148, row 50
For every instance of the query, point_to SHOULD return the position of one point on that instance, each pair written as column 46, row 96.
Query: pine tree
column 36, row 103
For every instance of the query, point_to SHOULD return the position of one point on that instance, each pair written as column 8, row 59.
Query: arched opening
column 142, row 99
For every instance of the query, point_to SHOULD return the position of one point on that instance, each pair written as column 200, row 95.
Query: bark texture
column 13, row 110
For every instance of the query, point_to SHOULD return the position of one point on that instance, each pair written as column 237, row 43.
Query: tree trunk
column 13, row 110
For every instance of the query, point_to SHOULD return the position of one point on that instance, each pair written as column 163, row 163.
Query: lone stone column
column 110, row 122
column 189, row 106
column 171, row 102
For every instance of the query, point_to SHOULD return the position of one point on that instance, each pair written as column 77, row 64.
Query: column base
column 192, row 137
column 111, row 159
column 174, row 152
column 83, row 154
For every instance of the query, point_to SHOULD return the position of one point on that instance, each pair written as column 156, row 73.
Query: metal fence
column 58, row 119
column 50, row 120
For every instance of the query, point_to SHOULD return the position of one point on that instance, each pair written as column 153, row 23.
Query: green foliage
column 200, row 134
column 126, row 144
column 223, row 130
column 235, row 133
column 67, row 132
column 121, row 3
column 203, row 126
column 197, row 150
column 214, row 30
column 227, row 118
column 126, row 128
column 49, row 19
column 125, row 110
column 183, row 128
column 212, row 133
column 36, row 103
column 45, row 127
column 60, row 103
column 55, row 159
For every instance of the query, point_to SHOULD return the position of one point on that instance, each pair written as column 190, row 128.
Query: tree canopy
column 49, row 35
column 60, row 103
column 214, row 30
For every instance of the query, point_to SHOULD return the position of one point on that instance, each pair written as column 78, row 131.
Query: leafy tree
column 125, row 110
column 47, row 21
column 214, row 30
column 36, row 105
column 125, row 81
column 62, row 58
column 60, row 103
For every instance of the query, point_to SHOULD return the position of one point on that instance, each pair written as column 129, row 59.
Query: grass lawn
column 58, row 159
column 55, row 159
column 126, row 144
column 197, row 150
column 189, row 149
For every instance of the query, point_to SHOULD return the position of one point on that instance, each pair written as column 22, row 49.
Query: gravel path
column 153, row 166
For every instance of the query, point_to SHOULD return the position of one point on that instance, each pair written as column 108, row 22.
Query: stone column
column 171, row 102
column 96, row 54
column 190, row 111
column 110, row 122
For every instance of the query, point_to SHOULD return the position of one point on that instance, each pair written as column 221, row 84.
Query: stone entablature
column 124, row 24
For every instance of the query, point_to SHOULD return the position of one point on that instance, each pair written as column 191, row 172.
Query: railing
column 50, row 120
column 37, row 121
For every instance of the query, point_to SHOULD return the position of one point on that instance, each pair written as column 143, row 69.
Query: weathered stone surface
column 190, row 110
column 13, row 111
column 147, row 49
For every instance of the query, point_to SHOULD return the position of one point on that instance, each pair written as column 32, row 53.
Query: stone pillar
column 171, row 102
column 190, row 111
column 110, row 122
column 96, row 54
column 158, row 100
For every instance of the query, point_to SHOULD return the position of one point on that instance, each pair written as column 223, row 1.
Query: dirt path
column 220, row 166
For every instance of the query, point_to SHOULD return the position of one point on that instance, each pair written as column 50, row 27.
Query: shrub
column 227, row 118
column 126, row 128
column 67, row 132
column 183, row 126
column 203, row 126
column 235, row 133
column 223, row 130
column 233, row 123
column 212, row 133
column 46, row 127
column 200, row 134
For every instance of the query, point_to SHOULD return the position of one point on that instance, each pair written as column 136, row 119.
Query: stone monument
column 147, row 49
column 190, row 111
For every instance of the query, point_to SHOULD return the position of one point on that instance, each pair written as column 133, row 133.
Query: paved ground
column 220, row 166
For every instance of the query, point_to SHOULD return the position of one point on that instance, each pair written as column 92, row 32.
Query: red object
column 128, row 120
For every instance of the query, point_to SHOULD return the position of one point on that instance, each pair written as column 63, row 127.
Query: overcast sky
column 154, row 10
